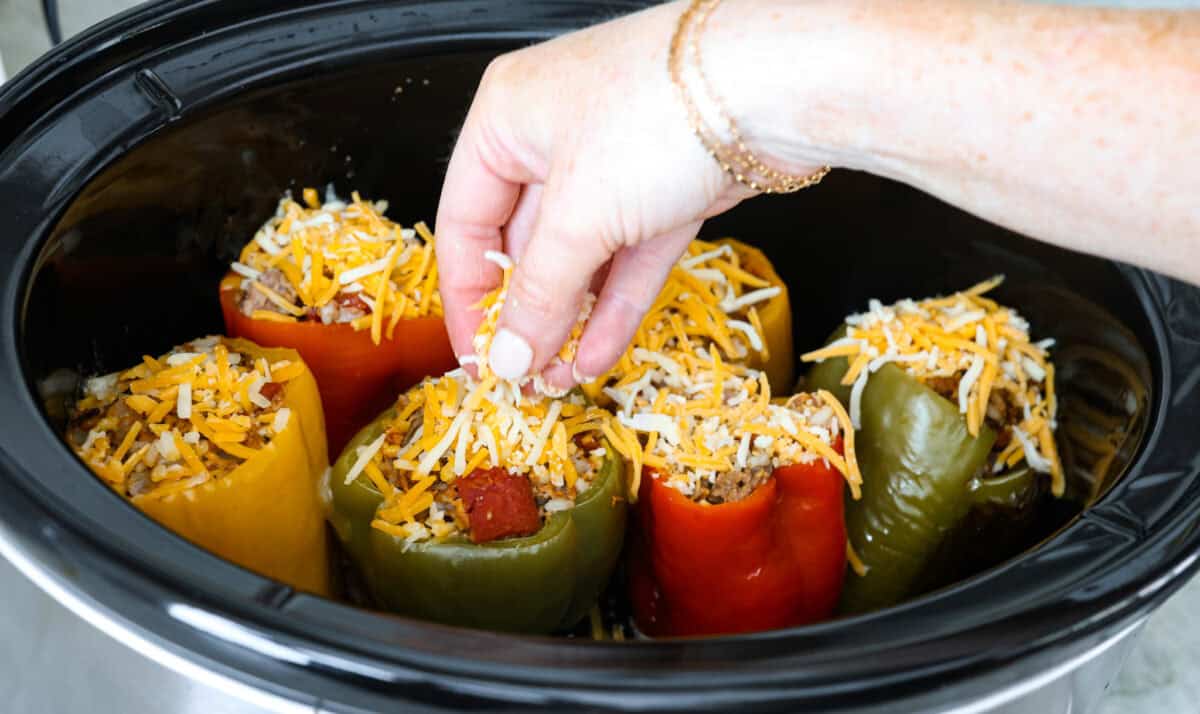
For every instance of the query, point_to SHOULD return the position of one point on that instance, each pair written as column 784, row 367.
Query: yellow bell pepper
column 776, row 318
column 265, row 514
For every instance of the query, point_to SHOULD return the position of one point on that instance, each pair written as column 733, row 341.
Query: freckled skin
column 1077, row 126
column 1063, row 123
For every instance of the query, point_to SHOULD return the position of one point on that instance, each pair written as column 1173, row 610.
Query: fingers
column 524, row 217
column 482, row 185
column 547, row 287
column 638, row 274
column 563, row 190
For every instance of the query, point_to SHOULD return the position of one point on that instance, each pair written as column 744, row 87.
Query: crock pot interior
column 132, row 263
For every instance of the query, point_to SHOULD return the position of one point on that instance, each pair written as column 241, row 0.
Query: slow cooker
column 136, row 158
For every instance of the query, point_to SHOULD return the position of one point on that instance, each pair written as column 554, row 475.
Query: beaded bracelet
column 735, row 158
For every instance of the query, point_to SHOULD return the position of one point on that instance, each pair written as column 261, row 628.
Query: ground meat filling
column 1002, row 415
column 343, row 308
column 733, row 486
column 275, row 280
column 491, row 503
column 712, row 431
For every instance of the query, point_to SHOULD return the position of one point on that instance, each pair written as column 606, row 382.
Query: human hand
column 577, row 160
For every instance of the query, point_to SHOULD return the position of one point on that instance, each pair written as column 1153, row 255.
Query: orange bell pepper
column 774, row 559
column 358, row 378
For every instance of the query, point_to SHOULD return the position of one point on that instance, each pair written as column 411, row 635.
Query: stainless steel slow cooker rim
column 292, row 694
column 10, row 346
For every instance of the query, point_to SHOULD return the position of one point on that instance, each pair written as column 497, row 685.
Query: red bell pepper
column 774, row 559
column 356, row 377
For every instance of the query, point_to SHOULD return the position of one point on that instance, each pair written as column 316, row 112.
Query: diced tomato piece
column 498, row 504
column 270, row 390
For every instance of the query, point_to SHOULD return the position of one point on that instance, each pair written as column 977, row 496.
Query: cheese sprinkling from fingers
column 711, row 301
column 447, row 427
column 491, row 306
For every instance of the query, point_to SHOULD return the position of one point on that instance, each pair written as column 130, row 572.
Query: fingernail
column 580, row 377
column 510, row 355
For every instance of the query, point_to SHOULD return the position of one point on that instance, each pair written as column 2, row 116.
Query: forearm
column 1075, row 126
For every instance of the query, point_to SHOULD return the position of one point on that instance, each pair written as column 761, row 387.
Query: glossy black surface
column 135, row 158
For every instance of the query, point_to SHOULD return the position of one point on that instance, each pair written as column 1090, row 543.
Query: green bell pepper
column 1003, row 520
column 535, row 584
column 923, row 476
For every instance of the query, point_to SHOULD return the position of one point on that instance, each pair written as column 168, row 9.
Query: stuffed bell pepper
column 723, row 296
column 740, row 515
column 471, row 503
column 354, row 293
column 222, row 442
column 955, row 412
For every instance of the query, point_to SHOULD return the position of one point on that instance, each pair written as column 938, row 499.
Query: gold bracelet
column 735, row 159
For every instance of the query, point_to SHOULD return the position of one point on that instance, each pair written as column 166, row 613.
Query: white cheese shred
column 183, row 401
column 365, row 454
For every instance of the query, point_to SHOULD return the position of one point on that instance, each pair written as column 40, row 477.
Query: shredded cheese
column 448, row 426
column 971, row 350
column 704, row 307
column 179, row 418
column 338, row 263
column 700, row 419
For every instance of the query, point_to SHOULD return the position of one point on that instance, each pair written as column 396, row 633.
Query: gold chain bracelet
column 736, row 159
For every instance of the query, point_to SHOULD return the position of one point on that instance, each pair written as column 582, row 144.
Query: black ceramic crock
column 138, row 157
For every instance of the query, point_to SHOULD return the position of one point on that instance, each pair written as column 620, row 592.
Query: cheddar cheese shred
column 338, row 262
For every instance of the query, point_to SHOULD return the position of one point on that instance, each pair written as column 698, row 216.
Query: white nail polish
column 510, row 355
column 579, row 376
